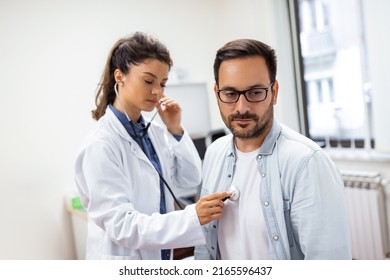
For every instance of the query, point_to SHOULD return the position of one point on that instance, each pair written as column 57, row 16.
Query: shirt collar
column 270, row 140
column 268, row 144
column 139, row 125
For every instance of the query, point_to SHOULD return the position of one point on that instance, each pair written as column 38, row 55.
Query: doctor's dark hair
column 128, row 51
column 246, row 48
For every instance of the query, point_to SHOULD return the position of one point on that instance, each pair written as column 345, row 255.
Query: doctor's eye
column 148, row 82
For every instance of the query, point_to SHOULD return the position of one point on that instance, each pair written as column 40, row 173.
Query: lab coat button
column 212, row 247
column 229, row 175
column 276, row 237
column 266, row 203
column 263, row 174
column 214, row 226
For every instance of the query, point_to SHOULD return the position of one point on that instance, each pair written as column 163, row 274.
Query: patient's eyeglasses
column 254, row 95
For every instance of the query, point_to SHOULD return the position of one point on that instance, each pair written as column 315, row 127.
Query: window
column 336, row 85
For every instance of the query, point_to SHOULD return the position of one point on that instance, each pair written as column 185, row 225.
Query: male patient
column 290, row 196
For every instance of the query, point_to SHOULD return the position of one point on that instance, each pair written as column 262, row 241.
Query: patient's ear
column 216, row 90
column 275, row 91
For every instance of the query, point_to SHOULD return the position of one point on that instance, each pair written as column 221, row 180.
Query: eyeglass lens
column 251, row 95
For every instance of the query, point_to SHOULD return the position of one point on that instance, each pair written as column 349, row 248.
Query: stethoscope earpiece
column 235, row 193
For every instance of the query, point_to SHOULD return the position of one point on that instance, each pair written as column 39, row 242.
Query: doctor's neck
column 133, row 113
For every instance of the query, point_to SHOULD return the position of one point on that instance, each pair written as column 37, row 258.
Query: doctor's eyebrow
column 154, row 76
column 149, row 73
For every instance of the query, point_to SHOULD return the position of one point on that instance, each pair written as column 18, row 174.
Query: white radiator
column 367, row 215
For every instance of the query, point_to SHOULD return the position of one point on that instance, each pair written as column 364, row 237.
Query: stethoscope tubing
column 141, row 138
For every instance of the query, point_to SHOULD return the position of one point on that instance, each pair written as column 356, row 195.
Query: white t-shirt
column 242, row 232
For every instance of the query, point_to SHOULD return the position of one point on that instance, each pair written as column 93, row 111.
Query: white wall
column 52, row 54
column 378, row 42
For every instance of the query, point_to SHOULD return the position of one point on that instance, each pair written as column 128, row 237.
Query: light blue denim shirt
column 301, row 194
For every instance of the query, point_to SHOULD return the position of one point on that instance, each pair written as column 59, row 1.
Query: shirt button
column 276, row 237
column 266, row 203
column 212, row 248
column 230, row 175
column 259, row 157
column 263, row 174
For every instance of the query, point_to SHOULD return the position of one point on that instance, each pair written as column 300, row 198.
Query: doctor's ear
column 118, row 75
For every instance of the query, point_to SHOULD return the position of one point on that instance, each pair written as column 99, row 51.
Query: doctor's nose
column 158, row 90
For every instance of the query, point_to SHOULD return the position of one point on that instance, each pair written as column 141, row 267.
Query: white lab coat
column 120, row 190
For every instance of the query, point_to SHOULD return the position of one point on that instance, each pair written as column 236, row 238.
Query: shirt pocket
column 287, row 219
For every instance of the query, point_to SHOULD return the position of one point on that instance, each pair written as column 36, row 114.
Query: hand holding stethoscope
column 170, row 113
column 210, row 207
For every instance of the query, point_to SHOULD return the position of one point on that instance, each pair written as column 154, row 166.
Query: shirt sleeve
column 318, row 211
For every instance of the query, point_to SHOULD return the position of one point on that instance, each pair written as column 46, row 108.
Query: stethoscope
column 141, row 136
column 235, row 193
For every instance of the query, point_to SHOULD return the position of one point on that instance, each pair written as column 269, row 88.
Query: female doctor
column 127, row 164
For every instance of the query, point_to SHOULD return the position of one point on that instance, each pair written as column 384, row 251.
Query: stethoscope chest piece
column 235, row 193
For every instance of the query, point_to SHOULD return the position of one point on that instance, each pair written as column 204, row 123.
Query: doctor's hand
column 170, row 113
column 209, row 207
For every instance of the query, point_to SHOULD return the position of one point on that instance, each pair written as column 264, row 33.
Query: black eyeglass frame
column 243, row 92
